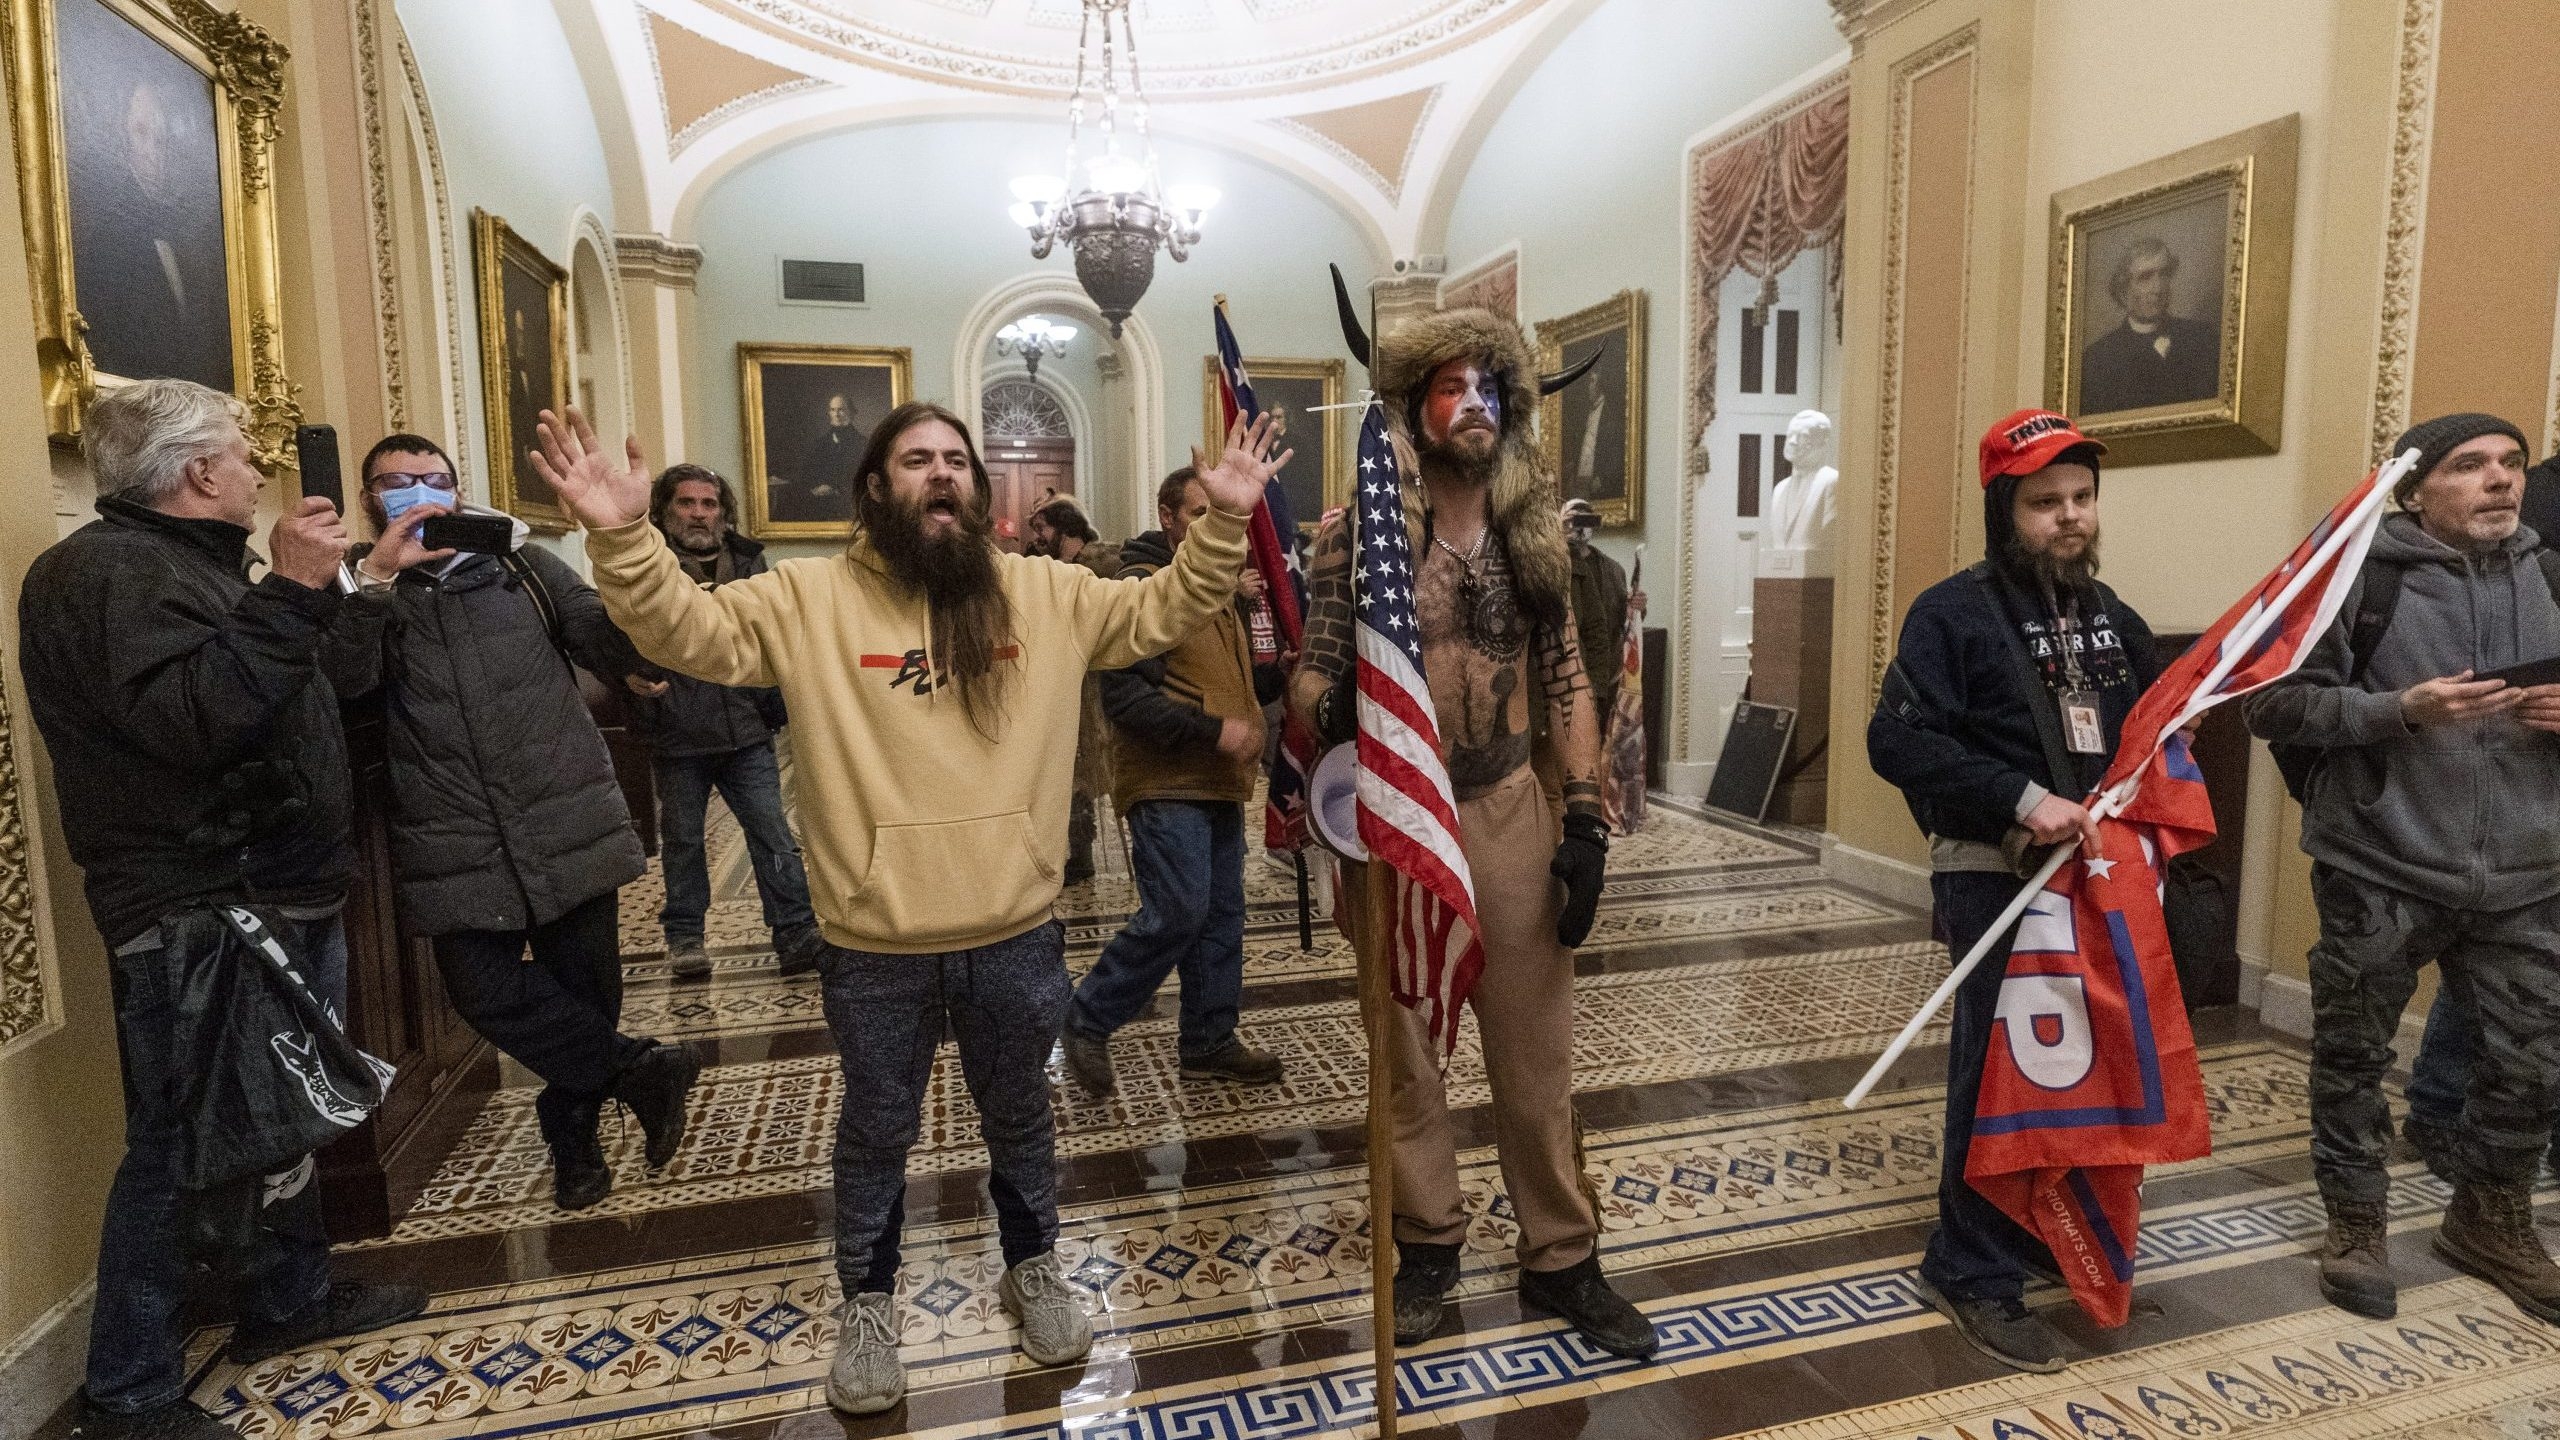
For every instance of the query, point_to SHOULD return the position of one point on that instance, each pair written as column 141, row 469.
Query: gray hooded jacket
column 2464, row 815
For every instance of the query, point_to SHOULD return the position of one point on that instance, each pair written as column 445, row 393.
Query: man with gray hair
column 2154, row 357
column 198, row 763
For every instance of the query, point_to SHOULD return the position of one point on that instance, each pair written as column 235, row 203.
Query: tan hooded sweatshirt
column 922, row 835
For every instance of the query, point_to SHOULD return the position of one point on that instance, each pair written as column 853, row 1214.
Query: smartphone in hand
column 477, row 534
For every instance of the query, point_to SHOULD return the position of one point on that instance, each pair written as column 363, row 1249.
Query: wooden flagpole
column 1377, row 1012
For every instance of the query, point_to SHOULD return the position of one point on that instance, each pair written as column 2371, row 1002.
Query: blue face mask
column 397, row 502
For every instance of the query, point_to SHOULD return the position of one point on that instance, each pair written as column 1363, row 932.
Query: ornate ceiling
column 1376, row 104
column 1188, row 47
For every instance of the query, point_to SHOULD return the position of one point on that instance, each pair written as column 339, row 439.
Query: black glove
column 1581, row 862
column 1338, row 709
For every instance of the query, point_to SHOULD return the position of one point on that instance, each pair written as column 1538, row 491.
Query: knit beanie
column 2437, row 438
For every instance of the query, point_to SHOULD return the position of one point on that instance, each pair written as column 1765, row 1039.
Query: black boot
column 1580, row 1296
column 348, row 1308
column 655, row 1085
column 1424, row 1273
column 180, row 1419
column 579, row 1175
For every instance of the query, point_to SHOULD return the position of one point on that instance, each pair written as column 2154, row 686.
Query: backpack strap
column 2548, row 560
column 2373, row 613
column 540, row 594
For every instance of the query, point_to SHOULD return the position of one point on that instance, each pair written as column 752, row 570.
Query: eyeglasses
column 399, row 479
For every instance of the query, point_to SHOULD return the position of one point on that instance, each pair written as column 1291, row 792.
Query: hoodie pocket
column 950, row 880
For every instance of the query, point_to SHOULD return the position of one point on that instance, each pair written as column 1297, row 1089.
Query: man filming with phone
column 510, row 829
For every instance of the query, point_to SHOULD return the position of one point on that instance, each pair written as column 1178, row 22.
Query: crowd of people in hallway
column 927, row 680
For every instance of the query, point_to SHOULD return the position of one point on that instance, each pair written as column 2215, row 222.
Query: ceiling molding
column 1376, row 138
column 701, row 82
column 965, row 55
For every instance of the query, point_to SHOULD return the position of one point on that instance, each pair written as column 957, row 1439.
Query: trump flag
column 2091, row 1073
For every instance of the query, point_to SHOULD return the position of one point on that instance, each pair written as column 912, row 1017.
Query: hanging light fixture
column 1111, row 209
column 1033, row 337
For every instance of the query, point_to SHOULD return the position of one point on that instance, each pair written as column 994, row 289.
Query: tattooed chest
column 1474, row 653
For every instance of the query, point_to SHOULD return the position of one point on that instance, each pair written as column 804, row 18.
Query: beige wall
column 2469, row 324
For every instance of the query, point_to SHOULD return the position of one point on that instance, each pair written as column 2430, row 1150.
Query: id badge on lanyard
column 2081, row 727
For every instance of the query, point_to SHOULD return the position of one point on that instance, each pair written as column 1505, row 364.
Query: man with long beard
column 926, row 674
column 1493, row 597
column 2001, row 709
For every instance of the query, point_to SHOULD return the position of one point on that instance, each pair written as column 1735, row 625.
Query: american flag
column 1408, row 817
column 1284, row 812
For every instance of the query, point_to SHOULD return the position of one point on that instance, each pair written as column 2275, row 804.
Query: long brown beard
column 955, row 567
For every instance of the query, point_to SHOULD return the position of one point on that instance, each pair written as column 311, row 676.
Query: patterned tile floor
column 1220, row 1235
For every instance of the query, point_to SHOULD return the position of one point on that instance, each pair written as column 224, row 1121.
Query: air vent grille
column 822, row 282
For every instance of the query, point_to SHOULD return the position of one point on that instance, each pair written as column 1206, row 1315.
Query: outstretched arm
column 716, row 635
column 1125, row 622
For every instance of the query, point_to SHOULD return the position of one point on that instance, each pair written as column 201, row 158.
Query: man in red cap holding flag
column 2002, row 708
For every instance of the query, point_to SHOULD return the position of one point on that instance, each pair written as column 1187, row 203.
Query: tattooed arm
column 1326, row 661
column 1572, row 718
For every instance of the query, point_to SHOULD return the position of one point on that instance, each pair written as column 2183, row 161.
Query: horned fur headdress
column 1523, row 502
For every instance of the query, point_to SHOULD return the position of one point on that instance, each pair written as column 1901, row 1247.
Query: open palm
column 603, row 490
column 1235, row 484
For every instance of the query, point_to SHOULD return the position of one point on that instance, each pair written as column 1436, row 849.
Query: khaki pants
column 1524, row 1010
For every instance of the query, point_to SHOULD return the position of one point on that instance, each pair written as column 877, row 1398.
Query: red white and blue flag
column 2092, row 1073
column 1284, row 811
column 1408, row 815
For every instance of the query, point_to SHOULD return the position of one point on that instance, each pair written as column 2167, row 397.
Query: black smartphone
column 315, row 451
column 478, row 534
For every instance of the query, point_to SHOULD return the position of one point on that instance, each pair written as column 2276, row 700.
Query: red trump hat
column 2027, row 442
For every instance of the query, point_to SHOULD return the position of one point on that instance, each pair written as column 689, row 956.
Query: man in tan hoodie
column 927, row 675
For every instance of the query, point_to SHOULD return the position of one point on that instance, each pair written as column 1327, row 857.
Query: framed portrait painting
column 2168, row 285
column 146, row 135
column 1317, row 477
column 524, row 363
column 1593, row 429
column 809, row 411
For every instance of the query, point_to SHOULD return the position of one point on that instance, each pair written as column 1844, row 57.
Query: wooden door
column 1020, row 473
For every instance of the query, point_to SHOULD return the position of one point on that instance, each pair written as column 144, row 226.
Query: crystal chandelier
column 1111, row 209
column 1033, row 337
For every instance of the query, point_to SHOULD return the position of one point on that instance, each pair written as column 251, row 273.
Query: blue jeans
column 2441, row 1075
column 1975, row 1252
column 134, row 1359
column 750, row 781
column 1189, row 856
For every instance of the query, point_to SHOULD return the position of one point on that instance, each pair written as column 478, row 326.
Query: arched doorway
column 1029, row 443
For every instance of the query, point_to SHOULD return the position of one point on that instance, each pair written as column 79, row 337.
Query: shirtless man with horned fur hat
column 1493, row 597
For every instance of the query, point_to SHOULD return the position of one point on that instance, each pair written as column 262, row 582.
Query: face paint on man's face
column 1462, row 394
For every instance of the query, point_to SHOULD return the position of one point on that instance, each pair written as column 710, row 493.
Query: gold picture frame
column 234, row 131
column 1608, row 455
column 523, row 303
column 1289, row 386
column 2197, row 381
column 787, row 396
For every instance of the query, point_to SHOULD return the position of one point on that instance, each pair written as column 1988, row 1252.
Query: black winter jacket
column 696, row 717
column 505, row 810
column 1953, row 729
column 198, row 757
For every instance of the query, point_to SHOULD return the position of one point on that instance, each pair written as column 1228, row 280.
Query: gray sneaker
column 687, row 960
column 867, row 1378
column 1054, row 1328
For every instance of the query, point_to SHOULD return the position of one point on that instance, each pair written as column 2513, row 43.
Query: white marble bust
column 1805, row 504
